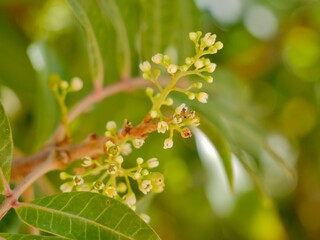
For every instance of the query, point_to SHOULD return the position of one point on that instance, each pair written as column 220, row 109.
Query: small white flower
column 168, row 143
column 172, row 68
column 153, row 163
column 76, row 84
column 86, row 162
column 77, row 180
column 130, row 199
column 199, row 63
column 209, row 39
column 137, row 142
column 193, row 36
column 66, row 187
column 139, row 160
column 202, row 97
column 111, row 191
column 111, row 125
column 98, row 185
column 157, row 59
column 145, row 66
column 179, row 109
column 162, row 127
column 211, row 67
column 145, row 186
column 125, row 149
column 112, row 168
column 153, row 113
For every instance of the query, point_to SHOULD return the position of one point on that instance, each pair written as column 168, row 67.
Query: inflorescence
column 106, row 174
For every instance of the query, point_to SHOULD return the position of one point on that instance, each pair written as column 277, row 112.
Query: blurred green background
column 264, row 101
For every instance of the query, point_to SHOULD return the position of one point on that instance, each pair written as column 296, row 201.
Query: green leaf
column 10, row 236
column 15, row 67
column 221, row 146
column 6, row 147
column 96, row 62
column 85, row 215
column 45, row 104
column 158, row 21
column 252, row 171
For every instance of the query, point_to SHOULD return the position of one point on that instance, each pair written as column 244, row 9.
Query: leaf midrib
column 46, row 209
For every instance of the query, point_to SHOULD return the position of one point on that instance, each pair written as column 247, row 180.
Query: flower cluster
column 107, row 173
column 196, row 65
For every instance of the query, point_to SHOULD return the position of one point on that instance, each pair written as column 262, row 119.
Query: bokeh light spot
column 225, row 11
column 261, row 22
column 298, row 117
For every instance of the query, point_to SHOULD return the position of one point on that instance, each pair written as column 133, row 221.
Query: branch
column 12, row 200
column 94, row 97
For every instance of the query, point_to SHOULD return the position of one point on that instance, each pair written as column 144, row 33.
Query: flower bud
column 211, row 67
column 152, row 163
column 218, row 45
column 139, row 160
column 193, row 36
column 130, row 199
column 125, row 149
column 145, row 67
column 168, row 143
column 111, row 125
column 76, row 84
column 66, row 187
column 172, row 69
column 202, row 97
column 137, row 142
column 199, row 63
column 149, row 92
column 157, row 59
column 122, row 187
column 64, row 176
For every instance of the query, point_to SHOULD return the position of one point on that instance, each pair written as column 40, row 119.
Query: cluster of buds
column 196, row 65
column 180, row 121
column 62, row 87
column 106, row 174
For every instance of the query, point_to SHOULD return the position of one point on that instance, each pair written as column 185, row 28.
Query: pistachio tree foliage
column 105, row 178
